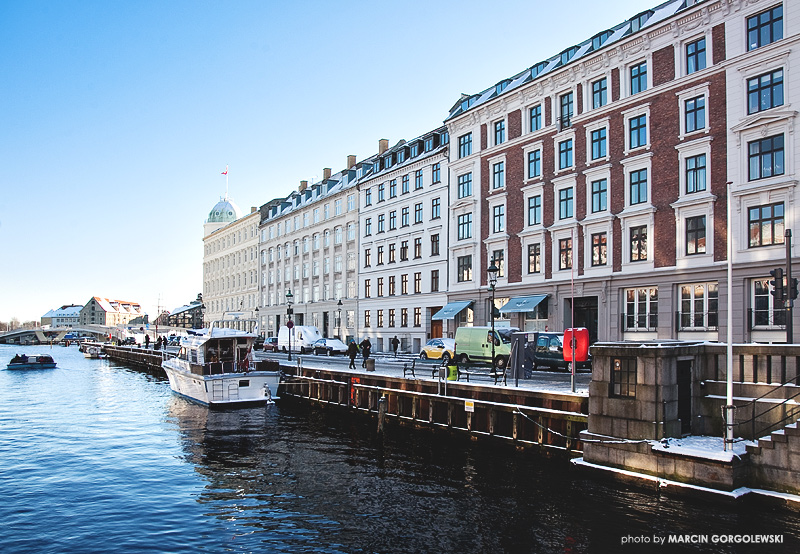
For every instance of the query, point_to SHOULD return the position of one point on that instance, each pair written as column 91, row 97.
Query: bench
column 409, row 369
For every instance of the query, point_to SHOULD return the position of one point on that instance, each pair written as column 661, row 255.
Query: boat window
column 182, row 354
column 244, row 382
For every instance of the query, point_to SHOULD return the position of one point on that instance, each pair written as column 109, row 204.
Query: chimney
column 351, row 161
column 383, row 146
column 326, row 173
column 303, row 186
column 253, row 209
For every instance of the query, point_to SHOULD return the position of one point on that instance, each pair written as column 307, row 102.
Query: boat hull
column 226, row 389
column 47, row 365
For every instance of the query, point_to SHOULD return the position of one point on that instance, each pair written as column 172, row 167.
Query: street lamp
column 492, row 271
column 289, row 323
column 256, row 329
column 339, row 304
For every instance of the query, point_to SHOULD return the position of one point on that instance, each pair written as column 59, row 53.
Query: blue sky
column 118, row 118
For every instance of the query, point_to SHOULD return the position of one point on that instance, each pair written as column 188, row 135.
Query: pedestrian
column 366, row 346
column 158, row 343
column 395, row 344
column 147, row 341
column 352, row 351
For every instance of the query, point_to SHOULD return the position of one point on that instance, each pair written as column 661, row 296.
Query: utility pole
column 791, row 288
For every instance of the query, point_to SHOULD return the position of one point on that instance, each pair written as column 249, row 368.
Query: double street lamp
column 289, row 323
column 492, row 271
column 339, row 305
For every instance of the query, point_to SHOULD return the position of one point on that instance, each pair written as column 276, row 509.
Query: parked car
column 271, row 344
column 436, row 349
column 329, row 347
column 474, row 344
column 547, row 351
column 302, row 338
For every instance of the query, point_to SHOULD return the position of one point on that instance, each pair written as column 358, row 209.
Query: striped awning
column 522, row 303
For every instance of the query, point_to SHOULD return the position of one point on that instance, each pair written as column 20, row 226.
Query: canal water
column 98, row 457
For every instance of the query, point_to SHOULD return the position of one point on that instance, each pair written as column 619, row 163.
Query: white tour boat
column 218, row 369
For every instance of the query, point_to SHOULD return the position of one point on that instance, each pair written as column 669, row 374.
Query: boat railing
column 219, row 368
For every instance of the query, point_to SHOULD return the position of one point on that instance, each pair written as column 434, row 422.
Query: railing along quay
column 525, row 418
column 141, row 357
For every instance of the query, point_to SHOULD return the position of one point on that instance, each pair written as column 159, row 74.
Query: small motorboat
column 36, row 361
column 93, row 352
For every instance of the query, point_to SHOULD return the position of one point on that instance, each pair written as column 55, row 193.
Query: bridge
column 99, row 332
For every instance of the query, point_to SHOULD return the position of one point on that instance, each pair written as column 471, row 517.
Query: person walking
column 352, row 351
column 366, row 346
column 395, row 344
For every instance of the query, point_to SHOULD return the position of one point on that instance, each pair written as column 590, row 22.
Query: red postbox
column 581, row 337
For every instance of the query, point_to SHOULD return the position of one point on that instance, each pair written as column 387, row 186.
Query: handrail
column 754, row 401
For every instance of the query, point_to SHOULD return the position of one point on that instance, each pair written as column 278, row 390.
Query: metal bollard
column 382, row 405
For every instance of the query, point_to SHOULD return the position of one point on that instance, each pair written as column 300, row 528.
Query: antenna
column 225, row 173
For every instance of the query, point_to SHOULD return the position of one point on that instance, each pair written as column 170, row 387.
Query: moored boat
column 219, row 369
column 36, row 361
column 93, row 352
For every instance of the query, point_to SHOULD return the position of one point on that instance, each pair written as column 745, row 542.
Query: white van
column 303, row 338
column 474, row 344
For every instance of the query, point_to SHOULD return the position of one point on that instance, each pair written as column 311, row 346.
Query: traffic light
column 793, row 288
column 778, row 290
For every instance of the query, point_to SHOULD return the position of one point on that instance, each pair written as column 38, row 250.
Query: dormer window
column 415, row 150
column 500, row 87
column 387, row 161
column 567, row 54
column 639, row 21
column 428, row 144
column 401, row 155
column 599, row 39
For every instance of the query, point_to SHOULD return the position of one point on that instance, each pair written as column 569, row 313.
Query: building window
column 765, row 92
column 699, row 306
column 599, row 143
column 367, row 257
column 404, row 251
column 381, row 223
column 535, row 117
column 623, row 377
column 565, row 203
column 696, row 174
column 381, row 192
column 599, row 195
column 464, row 268
column 366, row 318
column 391, row 285
column 695, row 235
column 638, row 131
column 599, row 249
column 565, row 253
column 765, row 28
column 368, row 227
column 534, row 258
column 534, row 164
column 499, row 218
column 639, row 243
column 380, row 286
column 436, row 173
column 498, row 175
column 638, row 186
column 417, row 283
column 499, row 132
column 765, row 312
column 695, row 114
column 367, row 288
column 418, row 213
column 393, row 188
column 403, row 317
column 599, row 93
column 565, row 103
column 639, row 78
column 435, row 279
column 465, row 226
column 393, row 219
column 380, row 255
column 418, row 247
column 391, row 253
column 404, row 217
column 534, row 210
column 696, row 56
column 405, row 184
column 766, row 157
column 499, row 259
column 765, row 224
column 418, row 179
column 380, row 318
column 641, row 309
column 435, row 244
column 465, row 185
column 436, row 208
column 417, row 317
column 565, row 154
column 465, row 145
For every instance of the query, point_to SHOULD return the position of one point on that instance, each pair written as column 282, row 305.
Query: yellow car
column 438, row 349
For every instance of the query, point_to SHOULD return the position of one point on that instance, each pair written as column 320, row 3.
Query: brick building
column 598, row 179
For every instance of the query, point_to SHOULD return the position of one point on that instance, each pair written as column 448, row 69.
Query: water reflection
column 298, row 479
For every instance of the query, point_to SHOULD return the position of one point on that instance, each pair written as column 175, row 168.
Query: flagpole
column 225, row 173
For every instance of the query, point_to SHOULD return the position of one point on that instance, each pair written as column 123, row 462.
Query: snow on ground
column 710, row 448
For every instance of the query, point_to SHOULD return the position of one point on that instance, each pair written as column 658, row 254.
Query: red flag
column 225, row 172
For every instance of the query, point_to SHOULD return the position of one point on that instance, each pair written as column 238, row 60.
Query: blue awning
column 522, row 303
column 451, row 310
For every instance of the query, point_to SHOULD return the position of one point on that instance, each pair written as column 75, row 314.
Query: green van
column 474, row 344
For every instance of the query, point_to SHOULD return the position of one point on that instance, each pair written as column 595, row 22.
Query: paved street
column 548, row 381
